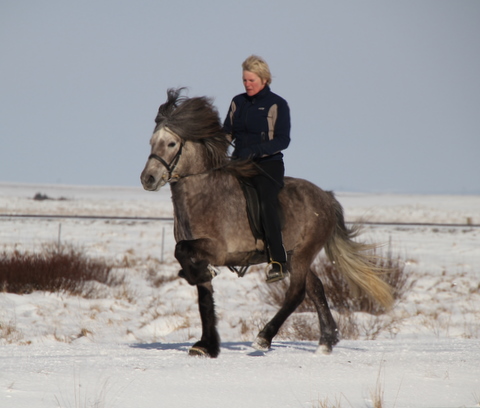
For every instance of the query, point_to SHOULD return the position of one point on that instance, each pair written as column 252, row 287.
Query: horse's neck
column 189, row 190
column 185, row 191
column 209, row 196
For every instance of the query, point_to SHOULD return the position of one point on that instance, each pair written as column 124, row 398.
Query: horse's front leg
column 209, row 345
column 195, row 258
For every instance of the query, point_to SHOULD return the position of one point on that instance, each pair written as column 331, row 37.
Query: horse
column 190, row 152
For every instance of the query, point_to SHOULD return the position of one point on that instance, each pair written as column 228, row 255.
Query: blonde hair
column 258, row 66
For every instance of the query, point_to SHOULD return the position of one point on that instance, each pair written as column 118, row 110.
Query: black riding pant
column 268, row 184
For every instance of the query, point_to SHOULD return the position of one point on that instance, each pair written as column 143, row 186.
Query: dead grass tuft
column 11, row 335
column 326, row 403
column 55, row 269
column 157, row 279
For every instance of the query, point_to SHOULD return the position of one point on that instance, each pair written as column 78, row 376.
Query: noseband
column 169, row 176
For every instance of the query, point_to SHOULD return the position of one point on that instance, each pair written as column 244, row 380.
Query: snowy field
column 127, row 345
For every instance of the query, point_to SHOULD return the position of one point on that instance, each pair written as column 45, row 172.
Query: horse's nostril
column 147, row 180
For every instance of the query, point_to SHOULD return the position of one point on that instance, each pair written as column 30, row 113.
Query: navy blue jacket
column 259, row 125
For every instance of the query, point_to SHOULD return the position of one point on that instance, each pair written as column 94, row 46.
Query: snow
column 127, row 345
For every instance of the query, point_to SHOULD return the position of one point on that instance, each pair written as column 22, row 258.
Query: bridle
column 169, row 176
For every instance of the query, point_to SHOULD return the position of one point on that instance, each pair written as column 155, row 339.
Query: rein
column 260, row 169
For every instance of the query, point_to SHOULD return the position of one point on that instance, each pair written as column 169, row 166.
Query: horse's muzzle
column 150, row 183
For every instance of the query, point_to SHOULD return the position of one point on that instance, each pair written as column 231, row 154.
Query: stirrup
column 276, row 275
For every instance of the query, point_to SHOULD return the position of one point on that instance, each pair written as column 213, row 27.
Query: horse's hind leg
column 294, row 296
column 328, row 327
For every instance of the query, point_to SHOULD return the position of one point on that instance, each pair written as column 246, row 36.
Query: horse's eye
column 171, row 144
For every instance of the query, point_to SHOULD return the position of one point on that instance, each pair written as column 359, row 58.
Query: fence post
column 59, row 236
column 163, row 243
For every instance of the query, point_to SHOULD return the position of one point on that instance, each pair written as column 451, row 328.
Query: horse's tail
column 357, row 261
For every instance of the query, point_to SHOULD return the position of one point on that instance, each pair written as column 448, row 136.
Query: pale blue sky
column 384, row 96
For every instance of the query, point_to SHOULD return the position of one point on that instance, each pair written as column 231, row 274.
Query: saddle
column 253, row 208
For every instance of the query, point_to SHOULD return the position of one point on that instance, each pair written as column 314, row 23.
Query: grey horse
column 189, row 151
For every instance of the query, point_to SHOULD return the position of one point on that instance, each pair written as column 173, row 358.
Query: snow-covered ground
column 127, row 345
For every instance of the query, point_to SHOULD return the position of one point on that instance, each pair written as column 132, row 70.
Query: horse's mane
column 197, row 119
column 190, row 118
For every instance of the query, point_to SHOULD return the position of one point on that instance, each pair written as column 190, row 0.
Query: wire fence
column 126, row 237
column 115, row 237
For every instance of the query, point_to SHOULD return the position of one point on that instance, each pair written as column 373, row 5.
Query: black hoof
column 261, row 344
column 203, row 349
column 196, row 351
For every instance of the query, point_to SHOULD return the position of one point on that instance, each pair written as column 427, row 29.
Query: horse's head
column 166, row 149
column 181, row 120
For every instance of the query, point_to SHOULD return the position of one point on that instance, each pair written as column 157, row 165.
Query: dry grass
column 55, row 269
column 10, row 334
column 377, row 396
column 83, row 397
column 158, row 279
column 326, row 403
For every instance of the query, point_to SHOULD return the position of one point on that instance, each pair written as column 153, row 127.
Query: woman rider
column 258, row 122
